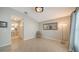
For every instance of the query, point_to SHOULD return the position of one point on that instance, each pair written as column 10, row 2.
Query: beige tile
column 34, row 45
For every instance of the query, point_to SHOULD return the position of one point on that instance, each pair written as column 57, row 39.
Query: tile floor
column 34, row 45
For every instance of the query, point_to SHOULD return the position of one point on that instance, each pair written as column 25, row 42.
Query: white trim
column 29, row 38
column 5, row 44
column 8, row 43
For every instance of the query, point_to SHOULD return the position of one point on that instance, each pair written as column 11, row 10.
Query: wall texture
column 57, row 34
column 30, row 26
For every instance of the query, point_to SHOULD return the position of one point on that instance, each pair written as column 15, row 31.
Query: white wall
column 56, row 34
column 30, row 26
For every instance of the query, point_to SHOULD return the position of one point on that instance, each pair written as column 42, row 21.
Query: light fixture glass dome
column 39, row 9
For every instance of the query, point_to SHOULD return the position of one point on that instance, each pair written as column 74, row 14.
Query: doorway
column 17, row 30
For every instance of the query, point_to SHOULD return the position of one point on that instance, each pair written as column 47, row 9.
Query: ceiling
column 47, row 14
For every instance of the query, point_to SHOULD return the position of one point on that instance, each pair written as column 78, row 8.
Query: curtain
column 73, row 21
column 74, row 34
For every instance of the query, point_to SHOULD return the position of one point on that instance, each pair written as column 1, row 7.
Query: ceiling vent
column 25, row 12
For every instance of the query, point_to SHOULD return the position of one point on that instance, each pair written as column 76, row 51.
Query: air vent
column 25, row 12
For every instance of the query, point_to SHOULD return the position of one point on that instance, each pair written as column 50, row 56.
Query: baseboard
column 71, row 51
column 29, row 38
column 5, row 45
column 8, row 43
column 49, row 38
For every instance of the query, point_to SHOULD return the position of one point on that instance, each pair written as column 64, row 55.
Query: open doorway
column 17, row 29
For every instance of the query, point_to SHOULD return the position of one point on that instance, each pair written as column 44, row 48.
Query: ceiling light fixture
column 39, row 9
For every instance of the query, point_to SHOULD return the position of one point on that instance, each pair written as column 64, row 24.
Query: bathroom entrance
column 17, row 28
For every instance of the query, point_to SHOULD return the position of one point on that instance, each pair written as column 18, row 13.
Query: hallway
column 19, row 23
column 35, row 45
